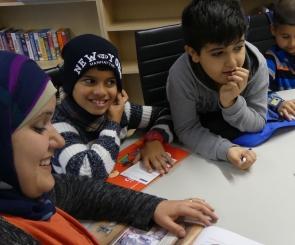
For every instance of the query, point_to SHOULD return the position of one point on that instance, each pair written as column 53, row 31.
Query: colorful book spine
column 16, row 43
column 21, row 37
column 33, row 45
column 29, row 46
column 55, row 43
column 37, row 43
column 9, row 41
column 51, row 45
column 59, row 38
column 44, row 41
column 1, row 43
column 3, row 38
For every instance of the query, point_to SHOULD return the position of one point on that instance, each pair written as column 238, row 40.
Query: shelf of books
column 43, row 46
column 40, row 28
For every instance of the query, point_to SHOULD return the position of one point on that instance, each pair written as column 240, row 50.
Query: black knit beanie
column 85, row 52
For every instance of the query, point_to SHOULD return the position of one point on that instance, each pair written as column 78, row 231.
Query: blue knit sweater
column 281, row 67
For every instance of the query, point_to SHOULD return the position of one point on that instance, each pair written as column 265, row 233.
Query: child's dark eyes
column 216, row 54
column 89, row 81
column 238, row 48
column 285, row 36
column 111, row 82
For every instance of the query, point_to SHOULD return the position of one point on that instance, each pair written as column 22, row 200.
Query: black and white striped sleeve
column 93, row 159
column 150, row 118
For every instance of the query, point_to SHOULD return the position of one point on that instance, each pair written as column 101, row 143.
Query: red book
column 124, row 161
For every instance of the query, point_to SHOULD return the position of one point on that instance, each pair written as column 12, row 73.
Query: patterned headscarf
column 24, row 90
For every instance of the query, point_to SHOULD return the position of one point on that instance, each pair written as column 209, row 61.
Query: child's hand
column 167, row 212
column 241, row 157
column 116, row 110
column 287, row 109
column 237, row 82
column 154, row 156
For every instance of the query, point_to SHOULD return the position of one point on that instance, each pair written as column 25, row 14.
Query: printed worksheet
column 216, row 235
column 138, row 173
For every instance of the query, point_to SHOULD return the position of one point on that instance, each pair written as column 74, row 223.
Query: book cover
column 125, row 159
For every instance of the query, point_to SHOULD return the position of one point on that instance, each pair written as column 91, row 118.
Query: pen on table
column 243, row 158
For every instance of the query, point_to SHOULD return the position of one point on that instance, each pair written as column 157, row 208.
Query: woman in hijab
column 38, row 207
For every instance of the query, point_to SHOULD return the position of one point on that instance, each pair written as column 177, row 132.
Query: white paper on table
column 138, row 173
column 216, row 235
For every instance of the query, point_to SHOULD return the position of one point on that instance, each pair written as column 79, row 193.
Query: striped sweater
column 94, row 153
column 281, row 67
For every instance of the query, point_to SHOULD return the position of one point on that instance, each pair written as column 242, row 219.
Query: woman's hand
column 168, row 212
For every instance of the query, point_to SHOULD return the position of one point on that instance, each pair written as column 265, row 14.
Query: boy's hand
column 154, row 156
column 237, row 82
column 241, row 157
column 116, row 110
column 287, row 109
column 167, row 212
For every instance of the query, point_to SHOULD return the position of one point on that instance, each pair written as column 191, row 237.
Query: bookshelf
column 80, row 16
column 116, row 20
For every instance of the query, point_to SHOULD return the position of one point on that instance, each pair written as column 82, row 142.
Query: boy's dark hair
column 284, row 12
column 212, row 21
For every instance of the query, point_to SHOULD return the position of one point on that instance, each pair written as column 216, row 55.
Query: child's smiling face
column 285, row 37
column 96, row 91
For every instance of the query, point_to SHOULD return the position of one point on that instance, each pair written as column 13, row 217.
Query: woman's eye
column 39, row 130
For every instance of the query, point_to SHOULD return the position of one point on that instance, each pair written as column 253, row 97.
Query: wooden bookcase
column 116, row 20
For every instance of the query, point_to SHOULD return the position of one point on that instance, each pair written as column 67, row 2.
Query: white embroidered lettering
column 91, row 57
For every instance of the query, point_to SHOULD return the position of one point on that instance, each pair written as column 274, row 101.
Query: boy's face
column 285, row 37
column 96, row 91
column 219, row 61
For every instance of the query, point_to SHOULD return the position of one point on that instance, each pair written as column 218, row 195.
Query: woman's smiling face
column 33, row 147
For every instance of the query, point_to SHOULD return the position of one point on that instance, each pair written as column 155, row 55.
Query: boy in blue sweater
column 281, row 57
